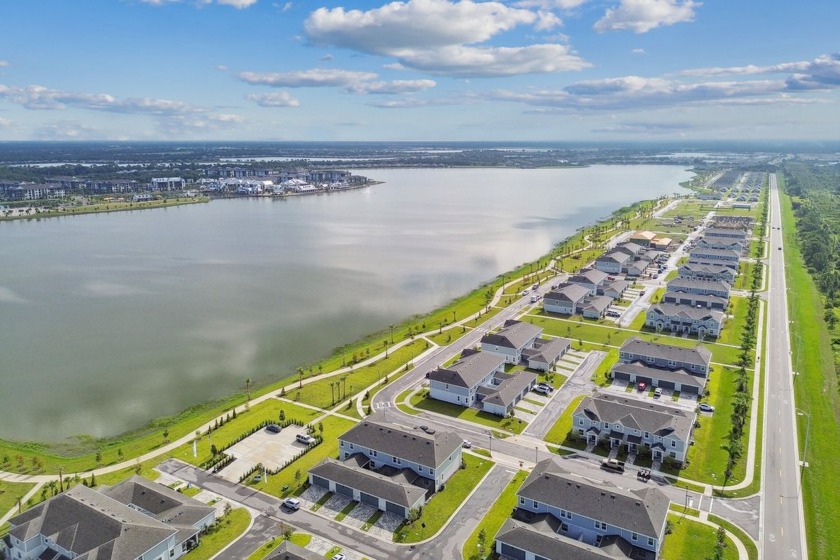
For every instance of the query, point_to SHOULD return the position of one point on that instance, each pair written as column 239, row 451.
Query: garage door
column 621, row 376
column 512, row 552
column 394, row 508
column 368, row 499
column 690, row 390
column 318, row 481
column 666, row 384
column 343, row 490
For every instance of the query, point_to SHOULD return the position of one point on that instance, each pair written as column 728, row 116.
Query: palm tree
column 248, row 388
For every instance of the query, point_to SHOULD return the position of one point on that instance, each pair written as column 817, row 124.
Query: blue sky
column 419, row 70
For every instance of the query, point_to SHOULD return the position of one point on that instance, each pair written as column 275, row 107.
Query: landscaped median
column 300, row 539
column 227, row 529
column 437, row 511
column 692, row 540
column 480, row 543
column 560, row 431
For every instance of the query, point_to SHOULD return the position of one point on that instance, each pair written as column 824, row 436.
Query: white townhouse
column 511, row 340
column 705, row 287
column 565, row 299
column 560, row 516
column 591, row 279
column 694, row 360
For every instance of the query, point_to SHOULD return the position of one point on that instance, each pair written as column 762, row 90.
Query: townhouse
column 613, row 262
column 717, row 288
column 566, row 299
column 722, row 243
column 684, row 319
column 592, row 280
column 700, row 253
column 511, row 340
column 389, row 467
column 665, row 356
column 635, row 424
column 136, row 519
column 707, row 272
column 707, row 301
column 561, row 516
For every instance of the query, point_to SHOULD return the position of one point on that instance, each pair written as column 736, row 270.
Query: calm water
column 109, row 320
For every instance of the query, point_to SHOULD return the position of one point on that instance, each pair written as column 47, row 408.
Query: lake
column 110, row 320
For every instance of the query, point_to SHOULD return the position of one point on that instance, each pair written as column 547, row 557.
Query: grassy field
column 607, row 333
column 732, row 328
column 10, row 493
column 744, row 279
column 752, row 549
column 691, row 540
column 423, row 402
column 707, row 458
column 494, row 519
column 560, row 430
column 230, row 527
column 816, row 393
column 439, row 509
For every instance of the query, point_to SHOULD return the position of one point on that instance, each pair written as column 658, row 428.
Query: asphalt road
column 783, row 528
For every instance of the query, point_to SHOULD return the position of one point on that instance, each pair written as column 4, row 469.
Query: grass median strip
column 227, row 529
column 442, row 505
column 478, row 547
column 300, row 539
column 424, row 402
column 692, row 540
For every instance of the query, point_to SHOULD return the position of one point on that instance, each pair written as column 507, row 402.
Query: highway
column 782, row 522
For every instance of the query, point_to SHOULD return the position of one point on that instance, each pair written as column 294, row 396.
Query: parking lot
column 272, row 450
column 619, row 388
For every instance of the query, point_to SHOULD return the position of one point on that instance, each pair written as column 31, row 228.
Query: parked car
column 257, row 478
column 291, row 503
column 427, row 429
column 535, row 287
column 545, row 385
column 643, row 475
column 340, row 556
column 642, row 386
column 273, row 428
column 305, row 438
column 467, row 444
column 524, row 293
column 613, row 465
column 657, row 393
column 706, row 407
column 541, row 389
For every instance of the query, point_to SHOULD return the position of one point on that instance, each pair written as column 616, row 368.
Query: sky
column 415, row 70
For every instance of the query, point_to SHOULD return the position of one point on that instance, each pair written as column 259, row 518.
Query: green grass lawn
column 611, row 335
column 114, row 206
column 448, row 336
column 732, row 328
column 749, row 544
column 691, row 540
column 300, row 539
column 10, row 493
column 559, row 432
column 816, row 391
column 494, row 518
column 229, row 529
column 744, row 279
column 442, row 505
column 708, row 456
column 423, row 402
column 265, row 411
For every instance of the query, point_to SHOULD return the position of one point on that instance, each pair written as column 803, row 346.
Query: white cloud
column 316, row 77
column 639, row 51
column 5, row 122
column 277, row 99
column 396, row 86
column 640, row 16
column 443, row 37
column 649, row 129
column 4, row 64
column 550, row 4
column 411, row 103
column 821, row 73
column 495, row 61
column 415, row 24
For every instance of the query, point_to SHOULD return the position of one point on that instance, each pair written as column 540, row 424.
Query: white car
column 467, row 444
column 706, row 407
column 292, row 503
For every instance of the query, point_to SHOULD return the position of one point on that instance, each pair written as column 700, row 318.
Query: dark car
column 427, row 429
column 273, row 428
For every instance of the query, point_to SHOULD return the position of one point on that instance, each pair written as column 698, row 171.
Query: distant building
column 168, row 184
column 694, row 360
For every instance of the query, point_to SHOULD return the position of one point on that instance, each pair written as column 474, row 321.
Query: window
column 536, row 504
column 634, row 537
column 374, row 453
column 521, row 501
column 580, row 421
column 351, row 446
column 673, row 443
column 650, row 541
column 394, row 460
column 420, row 469
column 647, row 434
column 600, row 525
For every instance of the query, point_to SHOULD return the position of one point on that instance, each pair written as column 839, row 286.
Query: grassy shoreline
column 78, row 453
column 106, row 207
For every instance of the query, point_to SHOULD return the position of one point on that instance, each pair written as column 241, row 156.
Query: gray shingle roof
column 515, row 334
column 615, row 256
column 634, row 248
column 567, row 293
column 511, row 386
column 699, row 355
column 681, row 284
column 88, row 522
column 727, row 232
column 704, row 261
column 546, row 351
column 644, row 415
column 618, row 285
column 681, row 376
column 697, row 298
column 639, row 511
column 469, row 370
column 702, row 251
column 588, row 276
column 706, row 268
column 411, row 445
column 164, row 503
column 598, row 303
column 687, row 312
column 548, row 544
column 392, row 489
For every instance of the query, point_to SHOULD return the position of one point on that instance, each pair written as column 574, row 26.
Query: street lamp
column 490, row 448
column 807, row 433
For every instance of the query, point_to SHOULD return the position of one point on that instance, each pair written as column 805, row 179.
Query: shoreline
column 109, row 207
column 79, row 446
